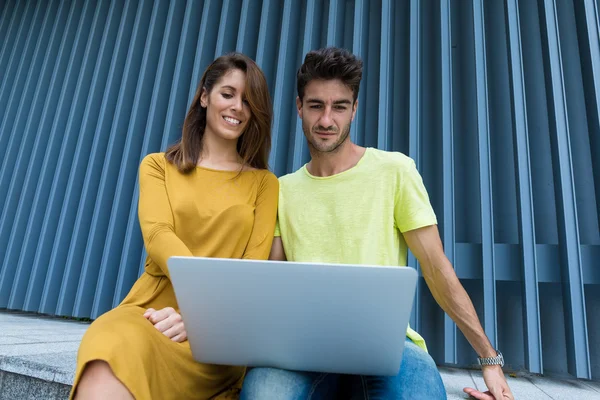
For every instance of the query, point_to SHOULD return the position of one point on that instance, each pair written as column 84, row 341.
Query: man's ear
column 354, row 108
column 299, row 106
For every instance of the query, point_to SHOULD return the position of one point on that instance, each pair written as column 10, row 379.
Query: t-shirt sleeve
column 412, row 209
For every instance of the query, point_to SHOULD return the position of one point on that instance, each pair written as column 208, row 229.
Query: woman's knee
column 119, row 334
column 97, row 370
column 97, row 379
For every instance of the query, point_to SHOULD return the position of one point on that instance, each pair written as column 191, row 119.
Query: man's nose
column 326, row 121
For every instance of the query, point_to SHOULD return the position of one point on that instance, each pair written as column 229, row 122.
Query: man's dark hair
column 327, row 64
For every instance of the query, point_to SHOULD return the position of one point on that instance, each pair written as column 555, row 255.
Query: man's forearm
column 454, row 300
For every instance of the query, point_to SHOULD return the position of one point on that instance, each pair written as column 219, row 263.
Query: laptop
column 347, row 319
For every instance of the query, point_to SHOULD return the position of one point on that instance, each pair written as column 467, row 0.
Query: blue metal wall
column 497, row 101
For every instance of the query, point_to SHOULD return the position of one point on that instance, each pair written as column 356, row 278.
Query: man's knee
column 419, row 372
column 415, row 355
column 273, row 383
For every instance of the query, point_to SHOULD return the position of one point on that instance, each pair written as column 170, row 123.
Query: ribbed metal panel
column 497, row 101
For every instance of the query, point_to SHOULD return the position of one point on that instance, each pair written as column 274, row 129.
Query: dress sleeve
column 265, row 215
column 155, row 214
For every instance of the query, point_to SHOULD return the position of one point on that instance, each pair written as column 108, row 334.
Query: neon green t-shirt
column 354, row 217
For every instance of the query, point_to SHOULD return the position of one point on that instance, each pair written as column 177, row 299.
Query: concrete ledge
column 37, row 356
column 53, row 367
column 38, row 359
column 16, row 386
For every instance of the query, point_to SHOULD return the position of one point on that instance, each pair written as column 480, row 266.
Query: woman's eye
column 226, row 95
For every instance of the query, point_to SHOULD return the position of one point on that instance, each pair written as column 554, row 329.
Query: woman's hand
column 168, row 322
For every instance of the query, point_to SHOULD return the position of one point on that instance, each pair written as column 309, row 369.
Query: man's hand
column 496, row 383
column 167, row 321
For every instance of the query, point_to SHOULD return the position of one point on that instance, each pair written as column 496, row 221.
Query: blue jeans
column 418, row 379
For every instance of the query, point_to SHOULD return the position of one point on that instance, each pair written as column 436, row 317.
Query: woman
column 209, row 195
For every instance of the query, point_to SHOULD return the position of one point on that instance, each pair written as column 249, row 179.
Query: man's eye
column 340, row 108
column 315, row 107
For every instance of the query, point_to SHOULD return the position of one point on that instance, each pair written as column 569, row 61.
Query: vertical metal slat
column 177, row 106
column 571, row 268
column 38, row 180
column 28, row 105
column 268, row 45
column 133, row 244
column 129, row 102
column 17, row 20
column 335, row 23
column 415, row 127
column 10, row 100
column 207, row 41
column 284, row 86
column 155, row 125
column 310, row 41
column 246, row 42
column 228, row 27
column 60, row 194
column 531, row 311
column 8, row 11
column 77, row 266
column 592, row 30
column 69, row 236
column 386, row 78
column 50, row 160
column 485, row 176
column 371, row 59
column 359, row 48
column 448, row 162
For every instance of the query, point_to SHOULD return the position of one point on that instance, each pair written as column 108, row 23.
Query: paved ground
column 37, row 361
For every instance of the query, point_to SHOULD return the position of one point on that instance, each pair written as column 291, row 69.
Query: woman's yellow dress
column 208, row 213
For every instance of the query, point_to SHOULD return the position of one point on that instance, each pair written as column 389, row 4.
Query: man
column 359, row 206
column 363, row 206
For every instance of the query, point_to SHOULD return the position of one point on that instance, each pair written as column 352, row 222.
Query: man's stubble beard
column 332, row 148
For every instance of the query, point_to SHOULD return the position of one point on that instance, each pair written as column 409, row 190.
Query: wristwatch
column 498, row 360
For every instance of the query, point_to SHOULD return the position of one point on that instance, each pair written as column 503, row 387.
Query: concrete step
column 17, row 386
column 38, row 359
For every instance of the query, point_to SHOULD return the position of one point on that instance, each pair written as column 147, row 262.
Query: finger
column 505, row 392
column 477, row 394
column 507, row 395
column 174, row 330
column 497, row 393
column 148, row 312
column 483, row 396
column 160, row 315
column 182, row 337
column 168, row 322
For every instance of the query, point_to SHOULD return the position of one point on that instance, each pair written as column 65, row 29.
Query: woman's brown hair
column 255, row 142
